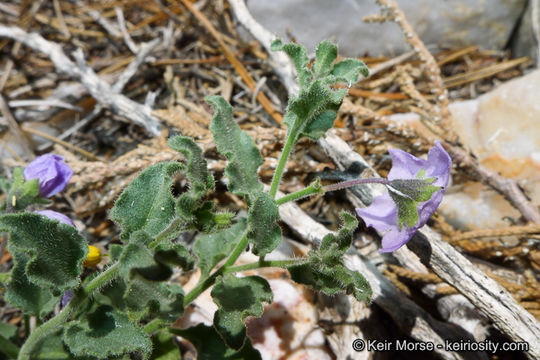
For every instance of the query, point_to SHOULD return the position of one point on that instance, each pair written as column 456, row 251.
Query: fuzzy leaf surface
column 325, row 270
column 21, row 293
column 144, row 274
column 164, row 347
column 211, row 346
column 313, row 111
column 238, row 147
column 238, row 298
column 147, row 203
column 200, row 181
column 55, row 252
column 212, row 248
column 105, row 333
column 264, row 232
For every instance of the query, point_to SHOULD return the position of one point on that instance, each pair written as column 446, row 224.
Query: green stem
column 282, row 162
column 263, row 264
column 155, row 325
column 314, row 188
column 173, row 226
column 209, row 281
column 57, row 322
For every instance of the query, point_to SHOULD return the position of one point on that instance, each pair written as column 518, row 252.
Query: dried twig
column 15, row 130
column 246, row 77
column 97, row 87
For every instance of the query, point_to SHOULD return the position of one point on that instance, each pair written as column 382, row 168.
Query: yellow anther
column 93, row 258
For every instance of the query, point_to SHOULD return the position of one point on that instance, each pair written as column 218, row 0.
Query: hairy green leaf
column 298, row 55
column 237, row 146
column 105, row 333
column 325, row 54
column 200, row 181
column 211, row 346
column 348, row 70
column 21, row 293
column 313, row 111
column 147, row 203
column 164, row 347
column 212, row 248
column 55, row 251
column 8, row 331
column 238, row 298
column 264, row 232
column 142, row 271
column 325, row 270
column 407, row 209
column 51, row 348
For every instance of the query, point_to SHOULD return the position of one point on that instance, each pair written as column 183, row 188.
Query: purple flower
column 382, row 214
column 66, row 297
column 52, row 173
column 56, row 216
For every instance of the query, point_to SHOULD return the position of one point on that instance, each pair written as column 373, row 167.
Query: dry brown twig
column 97, row 87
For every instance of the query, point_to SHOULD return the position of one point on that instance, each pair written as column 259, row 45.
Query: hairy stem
column 314, row 188
column 209, row 281
column 282, row 162
column 57, row 322
column 264, row 264
column 350, row 183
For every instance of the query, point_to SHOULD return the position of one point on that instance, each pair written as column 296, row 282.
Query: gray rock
column 442, row 23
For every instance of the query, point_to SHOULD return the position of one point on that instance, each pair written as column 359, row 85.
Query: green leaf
column 210, row 346
column 212, row 248
column 415, row 189
column 8, row 331
column 164, row 347
column 325, row 54
column 55, row 251
column 105, row 333
column 348, row 70
column 22, row 193
column 313, row 111
column 298, row 55
column 264, row 232
column 147, row 203
column 51, row 348
column 238, row 298
column 21, row 293
column 407, row 209
column 200, row 180
column 238, row 147
column 142, row 271
column 325, row 271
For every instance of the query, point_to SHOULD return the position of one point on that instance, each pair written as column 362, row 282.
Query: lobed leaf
column 142, row 271
column 105, row 333
column 147, row 203
column 237, row 146
column 211, row 346
column 324, row 271
column 313, row 111
column 238, row 298
column 53, row 252
column 264, row 232
column 21, row 293
column 212, row 248
column 165, row 347
column 200, row 181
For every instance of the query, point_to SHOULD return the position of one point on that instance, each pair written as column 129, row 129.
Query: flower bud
column 56, row 216
column 93, row 258
column 52, row 173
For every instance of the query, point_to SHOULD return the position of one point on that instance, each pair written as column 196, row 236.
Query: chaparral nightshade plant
column 52, row 173
column 382, row 214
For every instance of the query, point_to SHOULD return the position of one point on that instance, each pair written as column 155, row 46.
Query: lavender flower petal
column 52, row 173
column 56, row 216
column 382, row 214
